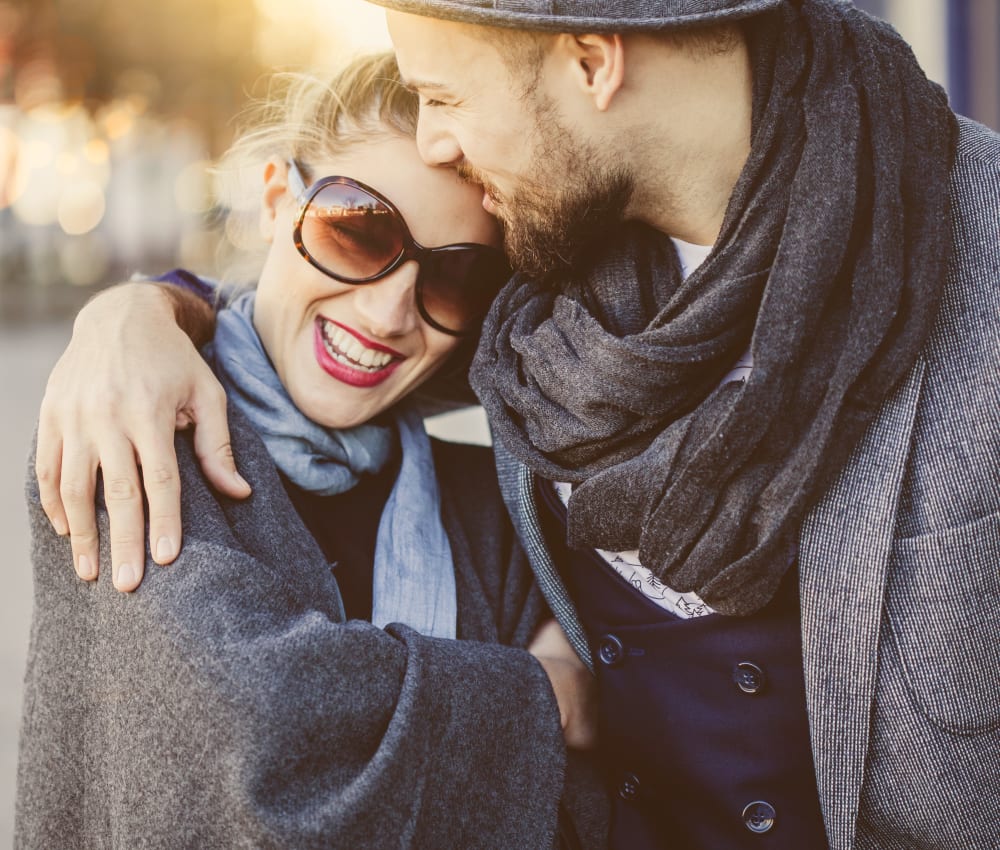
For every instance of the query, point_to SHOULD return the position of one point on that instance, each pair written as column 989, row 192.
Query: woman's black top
column 346, row 527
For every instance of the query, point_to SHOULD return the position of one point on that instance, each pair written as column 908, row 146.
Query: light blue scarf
column 414, row 576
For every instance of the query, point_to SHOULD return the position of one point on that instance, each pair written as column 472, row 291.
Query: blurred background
column 110, row 111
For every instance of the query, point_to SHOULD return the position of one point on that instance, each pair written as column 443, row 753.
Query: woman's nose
column 388, row 307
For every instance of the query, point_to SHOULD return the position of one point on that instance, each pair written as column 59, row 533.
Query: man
column 750, row 368
column 840, row 483
column 803, row 143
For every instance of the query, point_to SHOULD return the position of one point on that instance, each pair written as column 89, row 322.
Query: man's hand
column 129, row 377
column 574, row 685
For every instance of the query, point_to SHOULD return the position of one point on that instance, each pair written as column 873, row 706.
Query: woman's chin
column 333, row 419
column 328, row 412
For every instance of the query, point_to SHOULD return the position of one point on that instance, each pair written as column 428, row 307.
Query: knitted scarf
column 829, row 266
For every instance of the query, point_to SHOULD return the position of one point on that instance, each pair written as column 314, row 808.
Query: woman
column 249, row 696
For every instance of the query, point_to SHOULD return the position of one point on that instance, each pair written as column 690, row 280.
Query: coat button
column 749, row 677
column 759, row 816
column 611, row 651
column 629, row 789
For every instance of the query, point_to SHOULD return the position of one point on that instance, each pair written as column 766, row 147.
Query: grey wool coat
column 226, row 703
column 899, row 573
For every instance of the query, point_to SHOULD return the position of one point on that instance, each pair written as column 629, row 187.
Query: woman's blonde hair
column 307, row 118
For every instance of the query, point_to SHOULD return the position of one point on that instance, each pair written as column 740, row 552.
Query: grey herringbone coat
column 900, row 573
column 226, row 703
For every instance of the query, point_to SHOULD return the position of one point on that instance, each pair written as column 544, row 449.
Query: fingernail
column 241, row 480
column 61, row 528
column 127, row 576
column 164, row 549
column 84, row 568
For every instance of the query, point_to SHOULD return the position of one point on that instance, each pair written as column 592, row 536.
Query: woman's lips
column 351, row 358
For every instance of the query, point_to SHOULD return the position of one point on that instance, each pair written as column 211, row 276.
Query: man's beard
column 565, row 208
column 548, row 232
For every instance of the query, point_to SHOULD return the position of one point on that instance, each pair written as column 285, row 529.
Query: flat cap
column 584, row 15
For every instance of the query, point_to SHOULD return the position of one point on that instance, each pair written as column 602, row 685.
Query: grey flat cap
column 584, row 15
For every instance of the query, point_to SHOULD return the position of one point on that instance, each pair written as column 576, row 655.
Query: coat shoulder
column 977, row 143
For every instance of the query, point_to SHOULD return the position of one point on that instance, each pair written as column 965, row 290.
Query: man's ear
column 599, row 65
column 275, row 189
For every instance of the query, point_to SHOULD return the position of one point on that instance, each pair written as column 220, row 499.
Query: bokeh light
column 193, row 188
column 81, row 206
column 85, row 260
column 111, row 113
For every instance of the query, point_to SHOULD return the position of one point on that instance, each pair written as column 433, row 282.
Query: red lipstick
column 346, row 370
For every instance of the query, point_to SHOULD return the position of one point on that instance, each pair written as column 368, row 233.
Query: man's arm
column 130, row 376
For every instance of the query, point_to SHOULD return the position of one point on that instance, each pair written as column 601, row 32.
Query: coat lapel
column 517, row 484
column 843, row 555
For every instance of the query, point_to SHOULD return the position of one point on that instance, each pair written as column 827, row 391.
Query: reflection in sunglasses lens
column 351, row 233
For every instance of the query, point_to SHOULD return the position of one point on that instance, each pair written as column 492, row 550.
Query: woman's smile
column 346, row 355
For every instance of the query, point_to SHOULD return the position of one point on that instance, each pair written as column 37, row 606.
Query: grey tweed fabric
column 226, row 703
column 901, row 642
column 584, row 15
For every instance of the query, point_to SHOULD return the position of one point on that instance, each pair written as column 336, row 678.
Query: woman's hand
column 574, row 685
column 129, row 377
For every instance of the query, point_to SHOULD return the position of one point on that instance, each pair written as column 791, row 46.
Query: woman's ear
column 599, row 62
column 275, row 189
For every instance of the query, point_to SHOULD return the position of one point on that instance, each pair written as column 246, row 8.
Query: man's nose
column 437, row 145
column 387, row 308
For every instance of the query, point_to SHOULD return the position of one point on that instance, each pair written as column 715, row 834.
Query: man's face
column 554, row 191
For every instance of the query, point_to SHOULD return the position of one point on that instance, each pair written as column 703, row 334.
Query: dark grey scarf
column 829, row 265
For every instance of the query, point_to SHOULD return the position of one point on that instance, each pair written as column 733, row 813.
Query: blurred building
column 110, row 110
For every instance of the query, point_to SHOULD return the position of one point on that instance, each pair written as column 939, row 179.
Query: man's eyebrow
column 421, row 85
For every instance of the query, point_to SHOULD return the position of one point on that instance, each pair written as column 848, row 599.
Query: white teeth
column 344, row 348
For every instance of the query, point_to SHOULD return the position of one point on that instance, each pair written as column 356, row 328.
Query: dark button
column 611, row 652
column 749, row 677
column 629, row 789
column 759, row 816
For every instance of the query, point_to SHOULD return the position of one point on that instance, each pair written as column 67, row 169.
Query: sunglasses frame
column 410, row 250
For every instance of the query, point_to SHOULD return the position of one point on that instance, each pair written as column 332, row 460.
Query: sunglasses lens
column 355, row 237
column 457, row 285
column 351, row 233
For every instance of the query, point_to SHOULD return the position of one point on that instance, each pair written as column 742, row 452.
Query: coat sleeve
column 500, row 602
column 227, row 704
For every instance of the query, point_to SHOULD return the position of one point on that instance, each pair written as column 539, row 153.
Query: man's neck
column 696, row 146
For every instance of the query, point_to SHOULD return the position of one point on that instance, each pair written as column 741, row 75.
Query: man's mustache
column 469, row 174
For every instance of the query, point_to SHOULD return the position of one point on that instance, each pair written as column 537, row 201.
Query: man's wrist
column 193, row 314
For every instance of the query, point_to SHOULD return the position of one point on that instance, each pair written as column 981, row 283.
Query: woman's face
column 348, row 352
